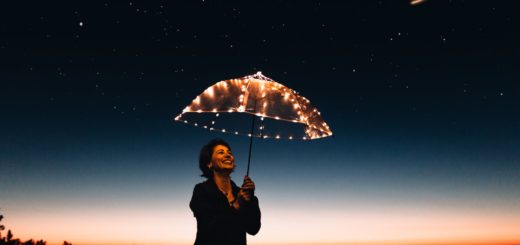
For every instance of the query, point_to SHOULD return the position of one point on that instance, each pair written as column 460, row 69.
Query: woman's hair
column 205, row 156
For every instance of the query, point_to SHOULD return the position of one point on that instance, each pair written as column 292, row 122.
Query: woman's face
column 222, row 159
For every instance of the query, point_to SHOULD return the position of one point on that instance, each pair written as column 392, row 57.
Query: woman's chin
column 226, row 169
column 229, row 168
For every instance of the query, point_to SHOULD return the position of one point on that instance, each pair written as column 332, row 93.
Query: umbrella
column 219, row 106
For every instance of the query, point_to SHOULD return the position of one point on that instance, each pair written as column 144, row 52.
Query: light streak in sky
column 416, row 2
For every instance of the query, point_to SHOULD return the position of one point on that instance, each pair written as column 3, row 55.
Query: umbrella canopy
column 260, row 96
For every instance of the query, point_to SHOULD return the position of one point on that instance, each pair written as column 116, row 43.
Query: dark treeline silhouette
column 8, row 239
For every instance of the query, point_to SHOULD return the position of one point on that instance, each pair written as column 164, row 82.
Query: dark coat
column 218, row 222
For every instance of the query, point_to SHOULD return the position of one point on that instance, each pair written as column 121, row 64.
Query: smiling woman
column 224, row 212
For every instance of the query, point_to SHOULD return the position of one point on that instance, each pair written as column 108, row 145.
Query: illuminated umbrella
column 227, row 105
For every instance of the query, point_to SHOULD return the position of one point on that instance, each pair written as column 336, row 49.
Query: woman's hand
column 248, row 186
column 246, row 192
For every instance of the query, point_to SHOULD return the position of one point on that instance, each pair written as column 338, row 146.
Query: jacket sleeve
column 201, row 207
column 250, row 216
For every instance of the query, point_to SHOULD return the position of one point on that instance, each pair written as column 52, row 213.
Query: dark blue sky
column 422, row 100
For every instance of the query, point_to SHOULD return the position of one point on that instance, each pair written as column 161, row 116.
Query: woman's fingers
column 244, row 195
column 248, row 186
column 248, row 183
column 247, row 190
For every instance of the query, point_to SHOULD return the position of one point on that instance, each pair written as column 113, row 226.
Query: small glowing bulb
column 210, row 91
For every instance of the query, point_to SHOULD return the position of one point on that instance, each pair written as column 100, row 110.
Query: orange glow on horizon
column 304, row 226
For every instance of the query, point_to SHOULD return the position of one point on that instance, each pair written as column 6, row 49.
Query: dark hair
column 205, row 156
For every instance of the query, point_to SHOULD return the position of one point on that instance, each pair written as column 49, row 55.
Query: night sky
column 422, row 99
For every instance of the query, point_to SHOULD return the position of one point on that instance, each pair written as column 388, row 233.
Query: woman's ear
column 209, row 165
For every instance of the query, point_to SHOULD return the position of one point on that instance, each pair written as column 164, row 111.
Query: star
column 80, row 23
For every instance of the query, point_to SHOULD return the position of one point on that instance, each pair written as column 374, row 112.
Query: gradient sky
column 422, row 100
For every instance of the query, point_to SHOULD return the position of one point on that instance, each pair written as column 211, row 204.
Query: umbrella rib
column 247, row 112
column 301, row 110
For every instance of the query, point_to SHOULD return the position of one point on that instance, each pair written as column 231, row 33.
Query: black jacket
column 218, row 222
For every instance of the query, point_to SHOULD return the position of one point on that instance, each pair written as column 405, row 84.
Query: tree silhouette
column 28, row 242
column 66, row 243
column 8, row 240
column 9, row 235
column 2, row 227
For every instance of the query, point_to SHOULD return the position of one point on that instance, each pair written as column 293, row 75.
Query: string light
column 210, row 91
column 233, row 97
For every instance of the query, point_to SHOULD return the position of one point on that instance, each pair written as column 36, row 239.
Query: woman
column 224, row 212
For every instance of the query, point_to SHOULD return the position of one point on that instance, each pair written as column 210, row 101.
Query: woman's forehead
column 220, row 147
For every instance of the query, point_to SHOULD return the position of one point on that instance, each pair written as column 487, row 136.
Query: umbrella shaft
column 250, row 144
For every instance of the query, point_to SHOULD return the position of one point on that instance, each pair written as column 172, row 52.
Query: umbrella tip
column 259, row 73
